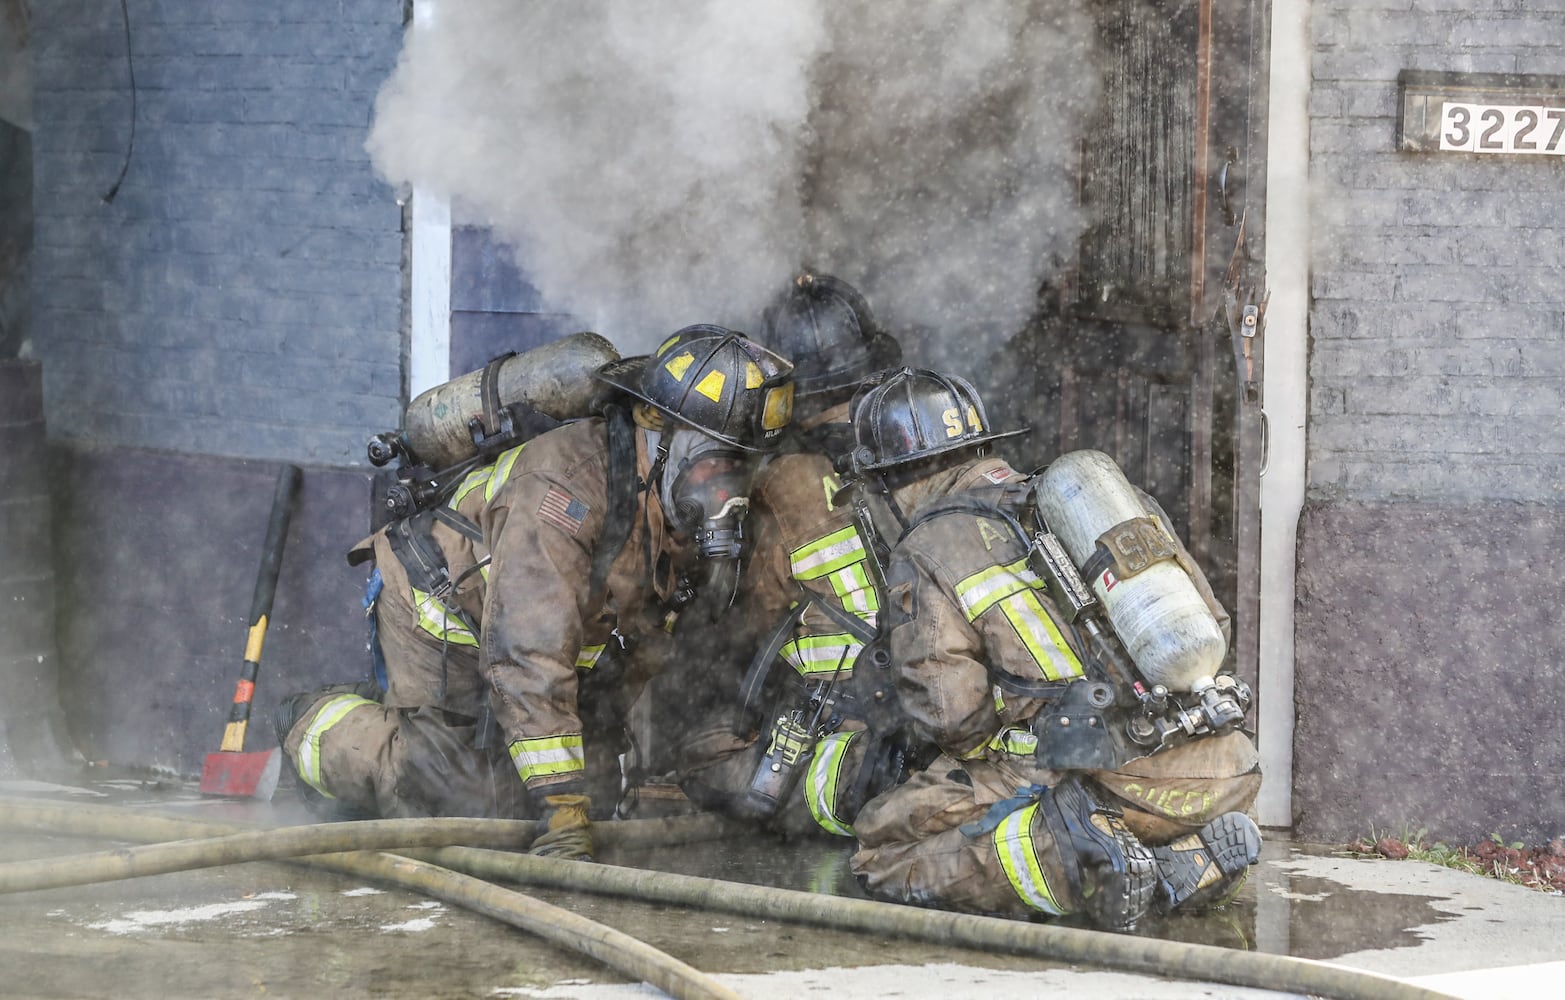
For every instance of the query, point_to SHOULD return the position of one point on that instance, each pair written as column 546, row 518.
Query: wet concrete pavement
column 279, row 930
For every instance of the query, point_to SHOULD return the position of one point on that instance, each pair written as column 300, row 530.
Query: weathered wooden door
column 1132, row 355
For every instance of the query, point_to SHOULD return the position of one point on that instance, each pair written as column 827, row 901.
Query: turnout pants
column 416, row 754
column 401, row 762
column 934, row 841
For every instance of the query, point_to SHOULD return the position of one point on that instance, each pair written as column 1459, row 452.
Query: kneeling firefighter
column 1003, row 817
column 788, row 752
column 511, row 656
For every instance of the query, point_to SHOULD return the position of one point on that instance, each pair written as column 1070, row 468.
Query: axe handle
column 261, row 605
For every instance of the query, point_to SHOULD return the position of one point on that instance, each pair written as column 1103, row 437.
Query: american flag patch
column 562, row 510
column 999, row 475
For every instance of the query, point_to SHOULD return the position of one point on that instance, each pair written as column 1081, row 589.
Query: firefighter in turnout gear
column 979, row 649
column 788, row 751
column 519, row 617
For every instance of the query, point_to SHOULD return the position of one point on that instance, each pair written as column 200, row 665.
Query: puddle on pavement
column 1278, row 911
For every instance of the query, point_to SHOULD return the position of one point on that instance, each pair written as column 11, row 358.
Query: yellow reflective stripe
column 832, row 487
column 983, row 590
column 852, row 586
column 1015, row 740
column 999, row 700
column 1013, row 845
column 328, row 715
column 821, row 780
column 820, row 654
column 827, row 555
column 473, row 480
column 588, row 657
column 502, row 471
column 433, row 618
column 1041, row 636
column 547, row 755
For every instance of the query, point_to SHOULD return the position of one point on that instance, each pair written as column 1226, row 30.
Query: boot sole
column 1206, row 867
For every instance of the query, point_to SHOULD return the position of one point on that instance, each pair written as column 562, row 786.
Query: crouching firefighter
column 567, row 554
column 788, row 751
column 982, row 656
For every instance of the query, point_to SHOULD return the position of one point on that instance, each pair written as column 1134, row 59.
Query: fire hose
column 318, row 846
column 455, row 874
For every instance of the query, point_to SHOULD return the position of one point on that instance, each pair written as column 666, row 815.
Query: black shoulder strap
column 755, row 677
column 998, row 503
column 425, row 564
column 849, row 623
column 489, row 389
column 459, row 523
column 620, row 516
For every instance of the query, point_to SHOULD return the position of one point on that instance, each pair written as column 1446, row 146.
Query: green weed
column 1419, row 848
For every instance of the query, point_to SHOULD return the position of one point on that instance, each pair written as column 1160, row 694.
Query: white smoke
column 655, row 164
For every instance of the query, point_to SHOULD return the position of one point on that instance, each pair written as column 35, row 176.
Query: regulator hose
column 625, row 954
column 1127, row 953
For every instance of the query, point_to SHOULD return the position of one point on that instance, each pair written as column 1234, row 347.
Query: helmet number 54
column 953, row 421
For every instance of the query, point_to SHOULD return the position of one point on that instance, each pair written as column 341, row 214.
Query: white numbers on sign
column 1502, row 128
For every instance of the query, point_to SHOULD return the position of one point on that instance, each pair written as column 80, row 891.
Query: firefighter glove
column 564, row 830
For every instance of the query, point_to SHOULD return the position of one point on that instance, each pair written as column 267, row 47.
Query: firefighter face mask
column 705, row 493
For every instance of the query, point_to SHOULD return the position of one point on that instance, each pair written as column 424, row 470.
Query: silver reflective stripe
column 827, row 555
column 328, row 715
column 548, row 755
column 822, row 654
column 1013, row 844
column 822, row 779
column 1015, row 740
column 1041, row 636
column 979, row 592
column 434, row 618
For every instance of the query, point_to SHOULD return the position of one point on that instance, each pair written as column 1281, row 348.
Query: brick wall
column 236, row 303
column 1427, row 646
column 241, row 294
column 1437, row 359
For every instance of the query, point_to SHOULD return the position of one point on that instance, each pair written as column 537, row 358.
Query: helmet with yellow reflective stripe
column 912, row 414
column 715, row 380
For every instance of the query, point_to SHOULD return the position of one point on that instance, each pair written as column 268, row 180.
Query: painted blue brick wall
column 1438, row 361
column 242, row 294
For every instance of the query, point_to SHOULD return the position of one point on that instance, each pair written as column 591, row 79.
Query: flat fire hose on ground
column 318, row 846
column 1149, row 956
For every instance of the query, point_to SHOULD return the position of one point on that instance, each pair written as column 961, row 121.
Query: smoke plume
column 659, row 164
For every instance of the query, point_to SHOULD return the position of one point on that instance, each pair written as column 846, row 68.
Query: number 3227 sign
column 1502, row 128
column 1481, row 113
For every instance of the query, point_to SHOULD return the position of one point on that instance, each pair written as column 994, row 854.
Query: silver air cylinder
column 555, row 378
column 1157, row 613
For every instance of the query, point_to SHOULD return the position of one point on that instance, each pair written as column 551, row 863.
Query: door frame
column 1285, row 377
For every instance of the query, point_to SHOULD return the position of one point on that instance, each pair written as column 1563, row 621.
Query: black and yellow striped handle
column 261, row 605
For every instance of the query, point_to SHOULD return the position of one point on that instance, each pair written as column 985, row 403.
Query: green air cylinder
column 555, row 378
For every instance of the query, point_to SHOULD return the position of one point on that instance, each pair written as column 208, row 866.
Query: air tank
column 555, row 378
column 1158, row 614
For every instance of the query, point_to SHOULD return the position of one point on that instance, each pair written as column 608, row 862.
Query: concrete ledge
column 1428, row 676
column 156, row 557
